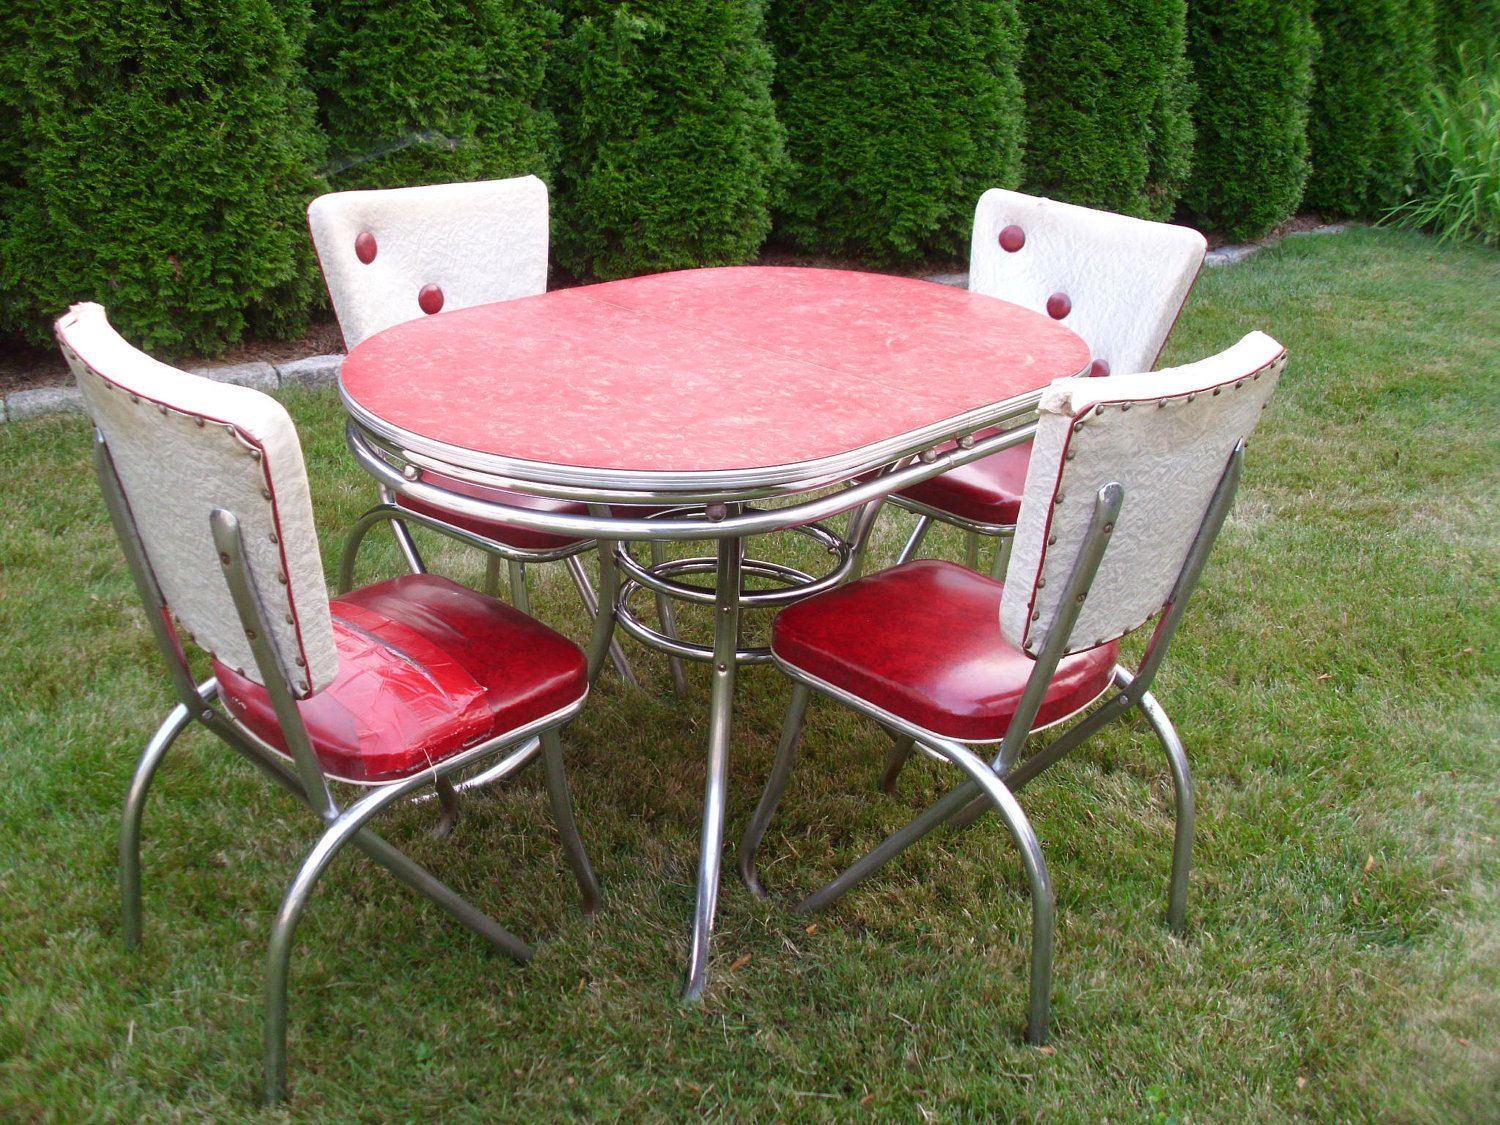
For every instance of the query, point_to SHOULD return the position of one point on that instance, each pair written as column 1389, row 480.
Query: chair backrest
column 1166, row 438
column 394, row 255
column 182, row 446
column 1118, row 282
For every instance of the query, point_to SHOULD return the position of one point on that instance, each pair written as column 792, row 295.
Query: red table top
column 749, row 375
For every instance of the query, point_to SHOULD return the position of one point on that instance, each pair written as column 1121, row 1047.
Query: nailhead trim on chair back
column 1166, row 437
column 182, row 446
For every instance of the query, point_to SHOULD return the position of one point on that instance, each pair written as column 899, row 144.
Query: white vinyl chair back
column 1118, row 282
column 182, row 446
column 394, row 255
column 1166, row 438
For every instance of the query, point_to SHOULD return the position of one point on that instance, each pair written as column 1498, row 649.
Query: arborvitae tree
column 1107, row 92
column 437, row 92
column 1377, row 60
column 166, row 153
column 671, row 150
column 1253, row 66
column 1472, row 26
column 898, row 117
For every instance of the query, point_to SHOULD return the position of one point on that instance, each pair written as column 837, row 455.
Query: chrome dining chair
column 1119, row 282
column 392, row 687
column 1128, row 485
column 393, row 255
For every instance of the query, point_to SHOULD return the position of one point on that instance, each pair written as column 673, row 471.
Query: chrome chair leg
column 448, row 803
column 492, row 575
column 348, row 826
column 781, row 770
column 1182, row 785
column 971, row 550
column 520, row 597
column 602, row 642
column 1002, row 557
column 668, row 615
column 591, row 606
column 567, row 828
column 914, row 544
column 895, row 762
column 175, row 723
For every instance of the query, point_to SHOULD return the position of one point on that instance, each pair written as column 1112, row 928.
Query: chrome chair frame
column 304, row 778
column 994, row 784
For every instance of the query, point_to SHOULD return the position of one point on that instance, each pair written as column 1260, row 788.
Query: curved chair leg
column 447, row 795
column 914, row 544
column 1043, row 900
column 520, row 597
column 781, row 771
column 175, row 723
column 350, row 826
column 1182, row 785
column 895, row 762
column 668, row 615
column 567, row 828
column 591, row 606
column 383, row 512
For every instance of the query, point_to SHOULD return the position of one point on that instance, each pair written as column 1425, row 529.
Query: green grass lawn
column 1335, row 684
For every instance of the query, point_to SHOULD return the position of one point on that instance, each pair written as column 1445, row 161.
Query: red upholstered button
column 365, row 247
column 1059, row 305
column 431, row 299
column 1098, row 367
column 1012, row 238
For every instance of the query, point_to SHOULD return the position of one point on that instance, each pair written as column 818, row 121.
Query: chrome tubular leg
column 174, row 724
column 971, row 550
column 781, row 770
column 1002, row 557
column 520, row 597
column 492, row 575
column 347, row 827
column 567, row 828
column 602, row 643
column 1182, row 784
column 914, row 544
column 895, row 762
column 448, row 802
column 1043, row 900
column 721, row 700
column 591, row 605
column 668, row 616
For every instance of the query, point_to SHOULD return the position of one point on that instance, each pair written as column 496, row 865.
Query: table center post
column 727, row 578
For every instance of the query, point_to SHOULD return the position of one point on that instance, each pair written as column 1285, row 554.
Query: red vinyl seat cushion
column 922, row 641
column 508, row 534
column 427, row 668
column 987, row 491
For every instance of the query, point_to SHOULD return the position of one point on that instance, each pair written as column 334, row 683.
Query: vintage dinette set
column 713, row 405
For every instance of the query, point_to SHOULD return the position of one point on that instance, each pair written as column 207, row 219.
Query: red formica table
column 705, row 390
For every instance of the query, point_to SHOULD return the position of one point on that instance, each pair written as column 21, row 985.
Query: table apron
column 904, row 472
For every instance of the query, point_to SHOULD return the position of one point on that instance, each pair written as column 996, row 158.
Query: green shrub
column 1458, row 158
column 1376, row 62
column 898, row 117
column 437, row 92
column 670, row 144
column 1107, row 92
column 163, row 160
column 1468, row 33
column 1253, row 67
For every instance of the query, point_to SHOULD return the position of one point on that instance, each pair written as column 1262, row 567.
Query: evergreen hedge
column 437, row 92
column 1470, row 25
column 1107, row 95
column 164, row 155
column 1376, row 63
column 671, row 151
column 898, row 117
column 1253, row 68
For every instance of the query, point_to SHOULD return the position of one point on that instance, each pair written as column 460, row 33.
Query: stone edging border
column 323, row 370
